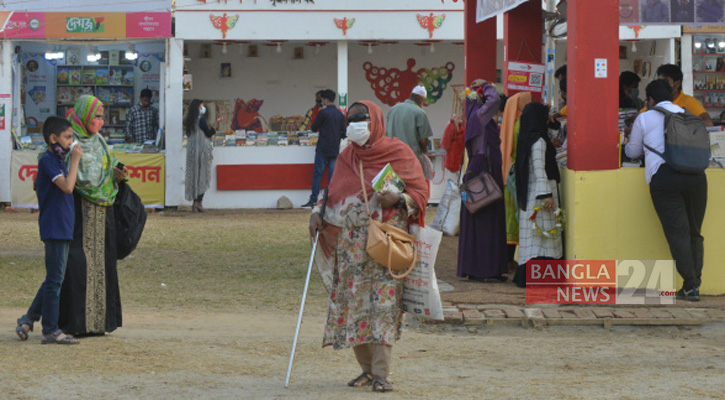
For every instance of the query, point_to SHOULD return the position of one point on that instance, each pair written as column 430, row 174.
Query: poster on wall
column 148, row 74
column 39, row 89
column 525, row 77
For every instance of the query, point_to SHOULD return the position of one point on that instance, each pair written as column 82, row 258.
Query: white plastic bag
column 421, row 296
column 448, row 216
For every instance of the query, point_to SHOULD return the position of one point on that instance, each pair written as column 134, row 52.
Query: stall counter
column 257, row 176
column 146, row 177
column 610, row 216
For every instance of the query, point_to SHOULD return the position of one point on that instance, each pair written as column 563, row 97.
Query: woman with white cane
column 364, row 304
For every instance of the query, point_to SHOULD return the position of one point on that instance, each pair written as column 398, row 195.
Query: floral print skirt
column 365, row 301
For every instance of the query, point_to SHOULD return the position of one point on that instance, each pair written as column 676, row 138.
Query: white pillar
column 6, row 94
column 342, row 74
column 686, row 56
column 175, row 154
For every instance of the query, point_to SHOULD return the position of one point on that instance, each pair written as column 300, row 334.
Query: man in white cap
column 407, row 121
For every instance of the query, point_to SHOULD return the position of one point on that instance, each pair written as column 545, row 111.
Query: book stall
column 57, row 57
column 258, row 82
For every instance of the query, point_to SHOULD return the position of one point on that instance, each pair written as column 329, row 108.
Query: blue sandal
column 53, row 338
column 20, row 329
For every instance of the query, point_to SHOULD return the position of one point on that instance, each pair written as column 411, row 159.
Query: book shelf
column 113, row 85
column 708, row 64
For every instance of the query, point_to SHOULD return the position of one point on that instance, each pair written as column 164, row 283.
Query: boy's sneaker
column 689, row 295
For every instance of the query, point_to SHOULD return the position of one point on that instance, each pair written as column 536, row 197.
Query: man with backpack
column 676, row 147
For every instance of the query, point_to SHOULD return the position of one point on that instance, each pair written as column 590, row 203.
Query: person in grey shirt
column 408, row 122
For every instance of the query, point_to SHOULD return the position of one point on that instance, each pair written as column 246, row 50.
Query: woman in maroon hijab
column 364, row 305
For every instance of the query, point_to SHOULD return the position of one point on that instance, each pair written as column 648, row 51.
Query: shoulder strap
column 365, row 192
column 663, row 110
column 662, row 156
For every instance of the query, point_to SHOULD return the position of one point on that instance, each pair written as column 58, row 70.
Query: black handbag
column 130, row 217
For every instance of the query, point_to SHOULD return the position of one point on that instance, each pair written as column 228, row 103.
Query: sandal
column 23, row 332
column 54, row 338
column 364, row 379
column 382, row 385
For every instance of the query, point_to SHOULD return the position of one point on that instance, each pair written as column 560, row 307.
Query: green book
column 388, row 180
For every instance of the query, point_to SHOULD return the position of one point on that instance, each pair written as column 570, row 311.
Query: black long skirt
column 90, row 301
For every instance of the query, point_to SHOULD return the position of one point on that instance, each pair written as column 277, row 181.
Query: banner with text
column 85, row 25
column 525, row 77
column 146, row 173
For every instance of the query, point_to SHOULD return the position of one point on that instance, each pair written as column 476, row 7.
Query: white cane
column 302, row 308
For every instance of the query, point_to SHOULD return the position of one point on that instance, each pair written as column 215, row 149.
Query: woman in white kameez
column 537, row 176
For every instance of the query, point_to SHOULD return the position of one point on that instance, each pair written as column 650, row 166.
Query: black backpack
column 687, row 142
column 130, row 220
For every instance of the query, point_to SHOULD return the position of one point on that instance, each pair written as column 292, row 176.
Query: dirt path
column 244, row 355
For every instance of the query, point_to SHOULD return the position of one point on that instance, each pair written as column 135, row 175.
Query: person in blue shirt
column 54, row 186
column 330, row 123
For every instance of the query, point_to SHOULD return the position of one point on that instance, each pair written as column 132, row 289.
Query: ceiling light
column 634, row 47
column 224, row 48
column 698, row 45
column 279, row 48
column 432, row 48
column 370, row 48
column 54, row 54
column 131, row 53
column 93, row 54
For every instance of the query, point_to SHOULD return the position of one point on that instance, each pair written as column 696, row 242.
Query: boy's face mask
column 58, row 150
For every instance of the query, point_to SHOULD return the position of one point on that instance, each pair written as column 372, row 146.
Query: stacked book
column 251, row 138
column 262, row 139
column 272, row 138
column 219, row 139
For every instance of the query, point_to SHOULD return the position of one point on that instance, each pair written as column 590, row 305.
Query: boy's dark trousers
column 47, row 299
column 680, row 201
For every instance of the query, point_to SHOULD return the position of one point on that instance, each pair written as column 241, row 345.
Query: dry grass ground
column 218, row 261
column 221, row 327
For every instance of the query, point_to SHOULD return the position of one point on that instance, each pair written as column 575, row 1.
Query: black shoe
column 689, row 295
column 309, row 204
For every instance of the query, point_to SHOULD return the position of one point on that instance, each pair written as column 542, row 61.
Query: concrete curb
column 539, row 317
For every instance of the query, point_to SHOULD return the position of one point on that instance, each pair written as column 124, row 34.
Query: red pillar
column 480, row 46
column 522, row 38
column 593, row 103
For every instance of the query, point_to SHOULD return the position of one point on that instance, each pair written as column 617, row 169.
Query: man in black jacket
column 330, row 123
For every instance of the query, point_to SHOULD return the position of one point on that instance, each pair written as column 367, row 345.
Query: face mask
column 95, row 125
column 358, row 132
column 202, row 110
column 59, row 150
column 634, row 94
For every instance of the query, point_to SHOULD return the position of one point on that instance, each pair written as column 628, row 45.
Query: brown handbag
column 390, row 246
column 481, row 190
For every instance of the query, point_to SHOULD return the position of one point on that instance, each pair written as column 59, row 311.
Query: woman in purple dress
column 482, row 239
